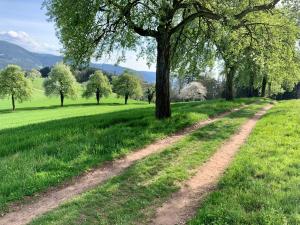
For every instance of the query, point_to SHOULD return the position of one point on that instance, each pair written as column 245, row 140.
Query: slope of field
column 132, row 197
column 44, row 145
column 263, row 184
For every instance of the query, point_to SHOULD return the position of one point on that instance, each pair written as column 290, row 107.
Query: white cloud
column 24, row 40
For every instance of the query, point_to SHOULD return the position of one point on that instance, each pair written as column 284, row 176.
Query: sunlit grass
column 263, row 184
column 44, row 145
column 132, row 197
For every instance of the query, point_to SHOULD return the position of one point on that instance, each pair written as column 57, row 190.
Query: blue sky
column 24, row 22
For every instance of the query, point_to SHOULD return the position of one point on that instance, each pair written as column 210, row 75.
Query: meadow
column 133, row 196
column 43, row 144
column 263, row 184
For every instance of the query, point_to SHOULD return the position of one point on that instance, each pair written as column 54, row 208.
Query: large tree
column 99, row 85
column 100, row 26
column 13, row 83
column 127, row 85
column 61, row 82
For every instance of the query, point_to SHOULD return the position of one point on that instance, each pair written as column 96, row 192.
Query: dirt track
column 23, row 214
column 183, row 204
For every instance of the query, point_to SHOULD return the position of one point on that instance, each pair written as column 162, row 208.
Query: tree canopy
column 97, row 27
column 99, row 85
column 13, row 83
column 128, row 86
column 61, row 82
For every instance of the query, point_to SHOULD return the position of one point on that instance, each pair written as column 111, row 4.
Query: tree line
column 17, row 84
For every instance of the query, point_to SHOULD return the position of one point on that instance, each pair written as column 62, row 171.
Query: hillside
column 14, row 54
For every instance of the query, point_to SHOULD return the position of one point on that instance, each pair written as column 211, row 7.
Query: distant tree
column 14, row 83
column 83, row 75
column 127, row 85
column 193, row 91
column 149, row 92
column 98, row 84
column 213, row 86
column 33, row 74
column 45, row 71
column 61, row 82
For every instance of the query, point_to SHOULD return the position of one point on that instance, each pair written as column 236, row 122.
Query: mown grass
column 42, row 109
column 44, row 145
column 263, row 184
column 132, row 197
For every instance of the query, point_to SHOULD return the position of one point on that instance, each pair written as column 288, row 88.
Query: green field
column 132, row 197
column 263, row 184
column 41, row 109
column 43, row 144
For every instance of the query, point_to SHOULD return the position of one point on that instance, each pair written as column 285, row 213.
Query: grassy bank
column 132, row 197
column 263, row 184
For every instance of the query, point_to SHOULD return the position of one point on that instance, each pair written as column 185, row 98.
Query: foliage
column 127, row 85
column 154, row 28
column 262, row 184
column 33, row 74
column 98, row 84
column 13, row 83
column 61, row 82
column 149, row 91
column 193, row 91
column 45, row 71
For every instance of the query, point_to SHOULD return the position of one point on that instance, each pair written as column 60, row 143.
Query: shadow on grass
column 37, row 156
column 147, row 184
column 4, row 111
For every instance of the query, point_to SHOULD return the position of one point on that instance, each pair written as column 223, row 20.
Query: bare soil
column 183, row 204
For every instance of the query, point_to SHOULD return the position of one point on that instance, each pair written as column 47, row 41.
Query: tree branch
column 250, row 9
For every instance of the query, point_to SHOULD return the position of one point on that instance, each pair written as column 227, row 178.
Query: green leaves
column 61, row 80
column 13, row 83
column 127, row 85
column 97, row 83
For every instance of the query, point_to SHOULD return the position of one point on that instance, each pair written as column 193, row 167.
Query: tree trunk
column 229, row 84
column 263, row 86
column 126, row 99
column 98, row 95
column 269, row 89
column 62, row 99
column 298, row 90
column 251, row 86
column 163, row 107
column 149, row 99
column 13, row 102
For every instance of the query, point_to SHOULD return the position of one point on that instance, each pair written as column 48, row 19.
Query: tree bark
column 251, row 86
column 13, row 102
column 229, row 84
column 269, row 89
column 263, row 86
column 62, row 99
column 163, row 107
column 126, row 99
column 98, row 95
column 298, row 90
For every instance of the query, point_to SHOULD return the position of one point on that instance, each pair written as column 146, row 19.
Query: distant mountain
column 14, row 54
